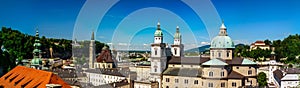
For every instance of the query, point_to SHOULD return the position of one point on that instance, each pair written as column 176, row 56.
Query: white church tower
column 158, row 56
column 177, row 47
column 92, row 52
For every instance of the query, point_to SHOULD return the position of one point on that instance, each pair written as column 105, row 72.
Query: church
column 170, row 69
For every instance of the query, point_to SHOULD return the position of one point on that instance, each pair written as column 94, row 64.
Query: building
column 268, row 67
column 259, row 44
column 220, row 70
column 288, row 78
column 158, row 56
column 24, row 77
column 105, row 76
column 36, row 62
column 105, row 59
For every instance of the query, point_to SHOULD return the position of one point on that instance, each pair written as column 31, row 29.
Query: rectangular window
column 186, row 81
column 228, row 52
column 250, row 72
column 176, row 81
column 196, row 82
column 233, row 84
column 222, row 74
column 210, row 85
column 211, row 74
column 222, row 84
column 167, row 79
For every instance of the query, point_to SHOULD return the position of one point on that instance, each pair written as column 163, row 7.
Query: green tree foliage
column 19, row 46
column 286, row 48
column 262, row 79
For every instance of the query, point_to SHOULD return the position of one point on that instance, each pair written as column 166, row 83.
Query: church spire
column 158, row 25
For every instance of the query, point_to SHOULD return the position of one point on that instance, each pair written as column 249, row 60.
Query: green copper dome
column 158, row 33
column 222, row 42
column 177, row 35
column 36, row 61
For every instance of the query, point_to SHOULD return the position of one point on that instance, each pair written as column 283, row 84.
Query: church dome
column 222, row 40
column 158, row 33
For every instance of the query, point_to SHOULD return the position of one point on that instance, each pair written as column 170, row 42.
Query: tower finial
column 158, row 22
column 223, row 25
column 158, row 25
column 177, row 28
column 93, row 37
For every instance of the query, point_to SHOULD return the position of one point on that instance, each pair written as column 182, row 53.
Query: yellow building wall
column 216, row 72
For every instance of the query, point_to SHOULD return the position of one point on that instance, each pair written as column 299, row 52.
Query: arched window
column 228, row 53
column 155, row 51
column 211, row 74
column 222, row 74
column 219, row 54
column 175, row 51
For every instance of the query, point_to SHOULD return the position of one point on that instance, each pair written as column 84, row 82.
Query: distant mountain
column 199, row 49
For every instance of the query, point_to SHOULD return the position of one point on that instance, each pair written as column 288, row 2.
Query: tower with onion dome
column 36, row 62
column 158, row 56
column 177, row 47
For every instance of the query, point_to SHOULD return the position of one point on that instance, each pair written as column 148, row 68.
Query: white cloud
column 241, row 42
column 204, row 43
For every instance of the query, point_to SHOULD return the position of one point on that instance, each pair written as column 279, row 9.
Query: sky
column 130, row 24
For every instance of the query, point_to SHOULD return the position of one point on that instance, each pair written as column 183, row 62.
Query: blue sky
column 133, row 22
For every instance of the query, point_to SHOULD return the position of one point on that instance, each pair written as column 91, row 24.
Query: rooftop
column 22, row 76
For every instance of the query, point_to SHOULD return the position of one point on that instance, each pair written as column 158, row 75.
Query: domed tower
column 36, row 62
column 222, row 46
column 177, row 47
column 158, row 56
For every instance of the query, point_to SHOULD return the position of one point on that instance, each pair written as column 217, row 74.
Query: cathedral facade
column 220, row 70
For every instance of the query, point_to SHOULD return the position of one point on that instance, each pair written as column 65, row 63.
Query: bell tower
column 177, row 47
column 158, row 56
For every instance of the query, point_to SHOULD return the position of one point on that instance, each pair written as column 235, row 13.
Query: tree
column 262, row 79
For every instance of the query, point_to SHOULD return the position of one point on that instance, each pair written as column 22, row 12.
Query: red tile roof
column 26, row 77
column 105, row 56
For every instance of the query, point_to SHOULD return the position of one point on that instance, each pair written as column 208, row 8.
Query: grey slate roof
column 188, row 72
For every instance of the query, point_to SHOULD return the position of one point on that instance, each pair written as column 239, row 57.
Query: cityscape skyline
column 247, row 21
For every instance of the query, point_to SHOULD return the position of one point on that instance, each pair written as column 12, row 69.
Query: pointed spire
column 158, row 25
column 37, row 32
column 223, row 26
column 93, row 37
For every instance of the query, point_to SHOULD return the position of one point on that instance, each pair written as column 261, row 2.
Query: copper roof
column 26, row 77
